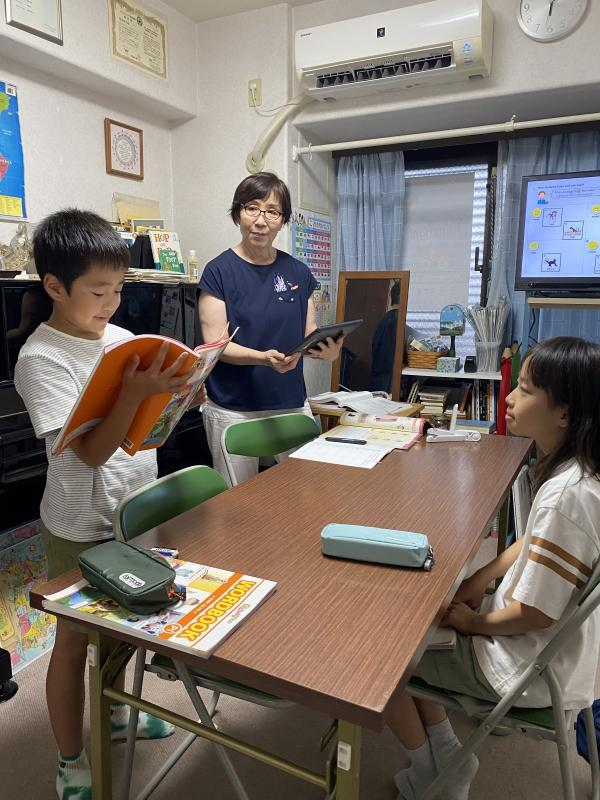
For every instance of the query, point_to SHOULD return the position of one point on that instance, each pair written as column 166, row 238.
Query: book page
column 387, row 438
column 349, row 455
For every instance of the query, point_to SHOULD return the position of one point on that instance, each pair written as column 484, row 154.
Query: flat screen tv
column 559, row 234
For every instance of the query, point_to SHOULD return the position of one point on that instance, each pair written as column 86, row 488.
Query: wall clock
column 548, row 20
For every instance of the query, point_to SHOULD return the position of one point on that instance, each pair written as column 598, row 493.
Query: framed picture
column 40, row 17
column 124, row 148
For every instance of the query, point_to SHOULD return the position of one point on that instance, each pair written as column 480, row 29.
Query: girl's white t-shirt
column 79, row 501
column 561, row 546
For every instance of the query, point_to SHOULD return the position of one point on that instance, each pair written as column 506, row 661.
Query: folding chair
column 266, row 436
column 538, row 723
column 521, row 499
column 138, row 512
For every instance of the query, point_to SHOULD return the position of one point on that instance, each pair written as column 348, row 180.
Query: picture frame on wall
column 124, row 149
column 40, row 17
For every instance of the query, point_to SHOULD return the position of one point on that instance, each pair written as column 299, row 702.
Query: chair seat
column 538, row 717
column 216, row 683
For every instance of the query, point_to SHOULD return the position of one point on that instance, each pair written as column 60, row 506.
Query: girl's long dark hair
column 568, row 370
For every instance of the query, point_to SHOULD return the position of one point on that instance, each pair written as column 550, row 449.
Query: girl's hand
column 460, row 617
column 279, row 362
column 471, row 591
column 137, row 384
column 328, row 350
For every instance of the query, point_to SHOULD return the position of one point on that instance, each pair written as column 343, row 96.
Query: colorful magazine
column 158, row 414
column 217, row 602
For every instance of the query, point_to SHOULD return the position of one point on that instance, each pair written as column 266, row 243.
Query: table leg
column 99, row 717
column 348, row 761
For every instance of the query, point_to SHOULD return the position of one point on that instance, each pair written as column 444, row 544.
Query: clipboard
column 322, row 333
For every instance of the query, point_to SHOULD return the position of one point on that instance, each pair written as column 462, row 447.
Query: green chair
column 141, row 510
column 266, row 436
column 538, row 723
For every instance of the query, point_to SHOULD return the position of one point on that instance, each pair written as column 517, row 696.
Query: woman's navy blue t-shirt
column 268, row 303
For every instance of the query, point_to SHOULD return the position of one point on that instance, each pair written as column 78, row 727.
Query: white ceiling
column 202, row 10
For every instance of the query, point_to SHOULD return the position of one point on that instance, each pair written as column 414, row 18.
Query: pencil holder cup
column 488, row 356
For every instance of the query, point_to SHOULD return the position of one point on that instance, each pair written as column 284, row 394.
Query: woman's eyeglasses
column 271, row 214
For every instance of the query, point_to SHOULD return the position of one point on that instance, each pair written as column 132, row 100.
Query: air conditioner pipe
column 255, row 162
column 506, row 127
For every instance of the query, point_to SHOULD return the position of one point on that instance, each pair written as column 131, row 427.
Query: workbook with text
column 386, row 430
column 365, row 402
column 157, row 414
column 217, row 601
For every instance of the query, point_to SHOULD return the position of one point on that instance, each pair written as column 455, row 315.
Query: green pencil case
column 381, row 545
column 137, row 579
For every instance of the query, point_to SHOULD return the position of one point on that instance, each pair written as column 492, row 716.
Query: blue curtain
column 572, row 152
column 370, row 210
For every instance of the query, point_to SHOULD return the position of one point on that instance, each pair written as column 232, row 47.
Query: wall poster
column 12, row 169
column 311, row 243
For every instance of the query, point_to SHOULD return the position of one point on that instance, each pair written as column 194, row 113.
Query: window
column 444, row 221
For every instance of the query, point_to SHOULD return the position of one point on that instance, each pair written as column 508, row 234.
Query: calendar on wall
column 311, row 243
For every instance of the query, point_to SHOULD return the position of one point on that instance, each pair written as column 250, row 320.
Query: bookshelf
column 482, row 400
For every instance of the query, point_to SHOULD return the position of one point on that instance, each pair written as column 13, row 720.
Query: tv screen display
column 559, row 233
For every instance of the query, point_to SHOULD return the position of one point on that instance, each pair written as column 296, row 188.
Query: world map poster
column 12, row 171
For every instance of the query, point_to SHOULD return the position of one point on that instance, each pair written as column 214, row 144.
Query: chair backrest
column 269, row 436
column 266, row 436
column 164, row 499
column 521, row 496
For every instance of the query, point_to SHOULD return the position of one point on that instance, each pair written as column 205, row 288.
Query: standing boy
column 81, row 261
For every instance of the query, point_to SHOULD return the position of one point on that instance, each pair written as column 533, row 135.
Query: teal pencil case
column 381, row 545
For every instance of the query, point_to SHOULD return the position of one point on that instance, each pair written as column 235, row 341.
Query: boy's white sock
column 74, row 779
column 413, row 781
column 148, row 727
column 444, row 745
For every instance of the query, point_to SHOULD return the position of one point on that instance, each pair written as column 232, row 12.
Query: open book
column 366, row 402
column 217, row 601
column 158, row 414
column 385, row 430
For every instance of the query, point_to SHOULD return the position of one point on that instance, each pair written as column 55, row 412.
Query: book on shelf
column 157, row 414
column 166, row 251
column 217, row 601
column 366, row 402
column 481, row 425
column 443, row 639
column 379, row 430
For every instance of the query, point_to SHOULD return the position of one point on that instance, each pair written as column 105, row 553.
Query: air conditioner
column 420, row 45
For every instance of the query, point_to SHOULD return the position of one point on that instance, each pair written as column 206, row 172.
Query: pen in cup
column 345, row 441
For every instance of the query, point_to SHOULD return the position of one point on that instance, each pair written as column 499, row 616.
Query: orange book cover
column 158, row 414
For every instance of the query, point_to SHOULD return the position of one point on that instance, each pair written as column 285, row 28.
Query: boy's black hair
column 259, row 187
column 67, row 243
column 567, row 368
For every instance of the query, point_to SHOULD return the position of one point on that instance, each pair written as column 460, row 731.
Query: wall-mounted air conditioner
column 420, row 45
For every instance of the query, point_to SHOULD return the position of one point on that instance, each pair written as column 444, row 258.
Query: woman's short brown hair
column 258, row 187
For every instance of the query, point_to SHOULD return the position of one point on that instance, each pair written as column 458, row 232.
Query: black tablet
column 322, row 333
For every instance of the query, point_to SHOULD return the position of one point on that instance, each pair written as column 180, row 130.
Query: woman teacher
column 267, row 294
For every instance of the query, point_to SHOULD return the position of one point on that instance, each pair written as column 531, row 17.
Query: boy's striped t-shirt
column 79, row 501
column 561, row 546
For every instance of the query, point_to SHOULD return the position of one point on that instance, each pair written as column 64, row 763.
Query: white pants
column 216, row 419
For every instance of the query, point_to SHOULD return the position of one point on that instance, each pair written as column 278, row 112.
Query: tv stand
column 579, row 302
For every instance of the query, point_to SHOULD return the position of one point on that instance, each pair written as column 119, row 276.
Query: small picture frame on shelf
column 124, row 149
column 40, row 17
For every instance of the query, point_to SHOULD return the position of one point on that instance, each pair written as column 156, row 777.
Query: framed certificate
column 124, row 148
column 40, row 17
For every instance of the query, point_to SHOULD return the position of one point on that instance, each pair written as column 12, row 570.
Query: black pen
column 345, row 441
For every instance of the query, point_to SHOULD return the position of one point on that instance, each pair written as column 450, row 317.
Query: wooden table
column 337, row 636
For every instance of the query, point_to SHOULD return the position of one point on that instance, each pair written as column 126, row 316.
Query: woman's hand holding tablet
column 324, row 332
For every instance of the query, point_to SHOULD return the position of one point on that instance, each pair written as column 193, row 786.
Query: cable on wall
column 255, row 161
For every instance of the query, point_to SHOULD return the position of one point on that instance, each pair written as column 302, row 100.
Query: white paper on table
column 350, row 455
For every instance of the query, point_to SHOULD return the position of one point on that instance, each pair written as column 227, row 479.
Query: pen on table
column 345, row 441
column 344, row 388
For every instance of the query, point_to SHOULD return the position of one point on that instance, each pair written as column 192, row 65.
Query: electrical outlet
column 254, row 92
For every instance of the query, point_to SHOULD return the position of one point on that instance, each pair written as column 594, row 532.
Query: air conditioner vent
column 375, row 72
